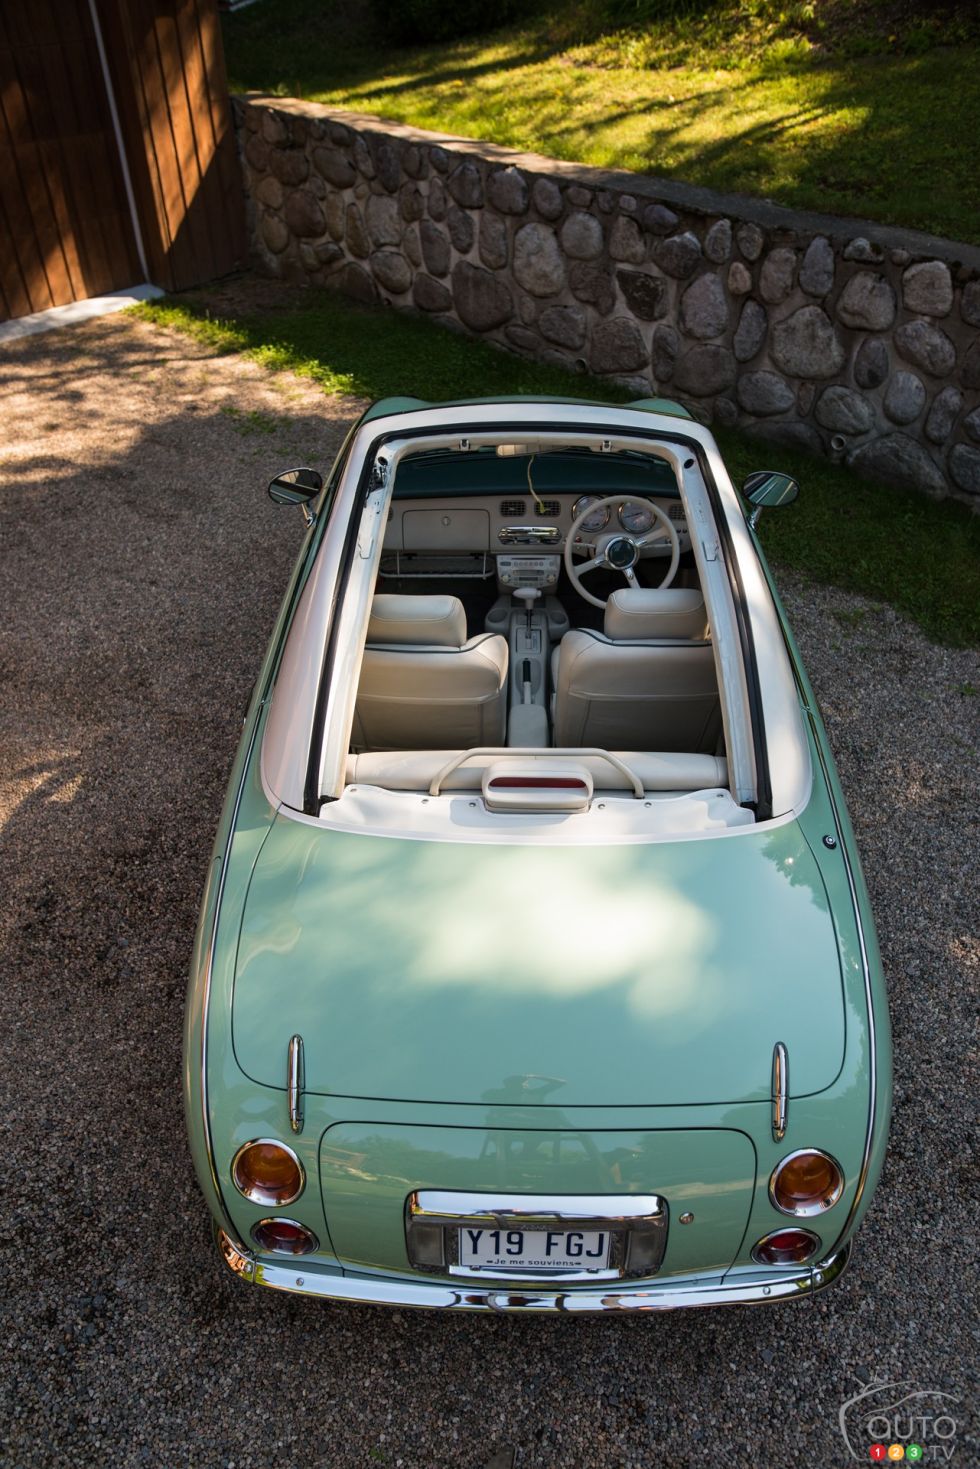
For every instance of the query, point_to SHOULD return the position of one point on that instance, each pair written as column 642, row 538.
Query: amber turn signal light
column 786, row 1247
column 284, row 1237
column 807, row 1182
column 267, row 1172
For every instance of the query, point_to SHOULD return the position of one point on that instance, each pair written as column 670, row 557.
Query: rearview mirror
column 297, row 487
column 767, row 488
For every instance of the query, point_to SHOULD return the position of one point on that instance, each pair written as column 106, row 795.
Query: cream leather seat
column 423, row 686
column 647, row 682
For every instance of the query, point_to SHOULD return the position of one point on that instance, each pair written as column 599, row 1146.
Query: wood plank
column 21, row 193
column 229, row 174
column 180, row 122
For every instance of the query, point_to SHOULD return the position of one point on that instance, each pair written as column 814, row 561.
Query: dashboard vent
column 551, row 508
column 512, row 507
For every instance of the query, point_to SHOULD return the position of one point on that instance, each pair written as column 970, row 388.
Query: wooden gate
column 117, row 153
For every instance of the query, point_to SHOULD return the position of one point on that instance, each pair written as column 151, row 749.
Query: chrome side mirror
column 297, row 487
column 767, row 488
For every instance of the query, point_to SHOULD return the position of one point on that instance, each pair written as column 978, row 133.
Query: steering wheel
column 621, row 551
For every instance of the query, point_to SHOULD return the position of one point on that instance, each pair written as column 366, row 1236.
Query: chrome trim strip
column 780, row 1091
column 767, row 1287
column 866, row 967
column 806, row 1211
column 627, row 1211
column 294, row 1082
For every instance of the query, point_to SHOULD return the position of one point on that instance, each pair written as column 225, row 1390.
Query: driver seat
column 646, row 682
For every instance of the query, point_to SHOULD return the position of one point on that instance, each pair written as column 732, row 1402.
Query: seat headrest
column 633, row 613
column 433, row 622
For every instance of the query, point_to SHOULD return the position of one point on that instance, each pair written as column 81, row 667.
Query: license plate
column 534, row 1249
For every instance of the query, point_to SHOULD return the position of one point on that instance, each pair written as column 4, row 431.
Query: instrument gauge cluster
column 636, row 517
column 595, row 522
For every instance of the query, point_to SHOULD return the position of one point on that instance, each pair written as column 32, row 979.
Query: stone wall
column 850, row 340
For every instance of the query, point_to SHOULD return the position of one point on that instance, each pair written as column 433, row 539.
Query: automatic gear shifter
column 528, row 595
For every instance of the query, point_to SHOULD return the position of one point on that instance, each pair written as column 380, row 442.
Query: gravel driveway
column 142, row 567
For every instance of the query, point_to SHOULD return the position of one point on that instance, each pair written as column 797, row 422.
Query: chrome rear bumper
column 762, row 1288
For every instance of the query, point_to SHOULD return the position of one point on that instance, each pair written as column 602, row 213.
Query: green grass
column 817, row 105
column 894, row 546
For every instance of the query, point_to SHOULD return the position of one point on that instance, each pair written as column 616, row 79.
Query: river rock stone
column 493, row 241
column 269, row 192
column 274, row 128
column 817, row 270
column 764, row 393
column 388, row 166
column 705, row 370
column 806, row 344
column 665, row 346
column 964, row 466
column 972, row 420
column 867, row 301
column 274, row 233
column 617, row 346
column 435, row 248
column 928, row 288
column 592, row 284
column 538, row 264
column 356, row 282
column 436, row 199
column 304, row 215
column 411, row 205
column 483, row 300
column 897, row 459
column 750, row 240
column 789, row 434
column 391, row 270
column 412, row 245
column 507, row 191
column 862, row 250
column 718, row 241
column 659, row 220
column 581, row 236
column 382, row 219
column 461, row 230
column 414, row 161
column 430, row 295
column 726, row 412
column 257, row 153
column 361, row 158
column 927, row 346
column 844, row 411
column 439, row 159
column 546, row 197
column 971, row 367
column 646, row 295
column 942, row 415
column 580, row 197
column 335, row 167
column 777, row 275
column 679, row 255
column 523, row 337
column 626, row 242
column 805, row 397
column 564, row 325
column 291, row 166
column 739, row 279
column 905, row 397
column 871, row 363
column 970, row 303
column 751, row 331
column 357, row 236
column 704, row 308
column 466, row 185
column 333, row 213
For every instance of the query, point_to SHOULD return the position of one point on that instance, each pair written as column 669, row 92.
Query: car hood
column 639, row 974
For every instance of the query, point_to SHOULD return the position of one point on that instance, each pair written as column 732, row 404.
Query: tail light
column 284, row 1237
column 805, row 1183
column 786, row 1247
column 267, row 1172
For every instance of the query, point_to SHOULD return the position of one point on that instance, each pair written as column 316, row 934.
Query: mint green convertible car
column 535, row 969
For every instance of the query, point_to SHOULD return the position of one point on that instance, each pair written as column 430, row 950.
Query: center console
column 532, row 621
